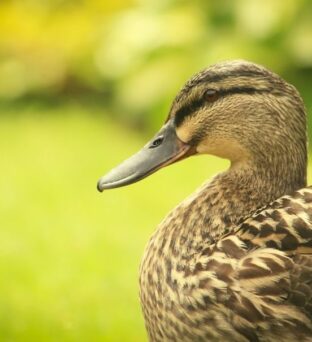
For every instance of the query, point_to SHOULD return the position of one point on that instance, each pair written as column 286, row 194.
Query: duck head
column 235, row 110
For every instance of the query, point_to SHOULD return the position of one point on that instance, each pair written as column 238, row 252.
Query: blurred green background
column 83, row 84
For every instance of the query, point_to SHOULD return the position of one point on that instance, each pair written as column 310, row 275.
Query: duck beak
column 164, row 149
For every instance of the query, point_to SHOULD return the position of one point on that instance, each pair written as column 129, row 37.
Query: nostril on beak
column 157, row 142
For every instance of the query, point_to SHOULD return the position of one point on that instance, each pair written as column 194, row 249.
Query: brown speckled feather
column 254, row 284
column 282, row 280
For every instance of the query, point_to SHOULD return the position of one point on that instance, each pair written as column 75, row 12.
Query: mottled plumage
column 233, row 262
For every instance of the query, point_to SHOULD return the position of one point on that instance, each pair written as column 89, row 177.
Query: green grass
column 69, row 256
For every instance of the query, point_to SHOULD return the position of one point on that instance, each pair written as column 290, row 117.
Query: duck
column 233, row 261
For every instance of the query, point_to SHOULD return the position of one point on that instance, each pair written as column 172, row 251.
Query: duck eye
column 157, row 142
column 211, row 95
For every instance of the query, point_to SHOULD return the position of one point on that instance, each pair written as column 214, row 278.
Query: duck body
column 246, row 285
column 233, row 262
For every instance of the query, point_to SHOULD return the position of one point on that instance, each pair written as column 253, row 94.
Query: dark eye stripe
column 187, row 110
column 192, row 107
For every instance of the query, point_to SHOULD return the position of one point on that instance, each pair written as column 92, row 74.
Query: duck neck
column 222, row 203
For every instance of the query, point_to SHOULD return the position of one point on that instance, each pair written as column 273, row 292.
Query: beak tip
column 100, row 186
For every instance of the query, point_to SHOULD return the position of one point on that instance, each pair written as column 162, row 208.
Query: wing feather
column 270, row 292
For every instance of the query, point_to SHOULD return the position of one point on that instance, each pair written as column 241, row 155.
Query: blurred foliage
column 133, row 55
